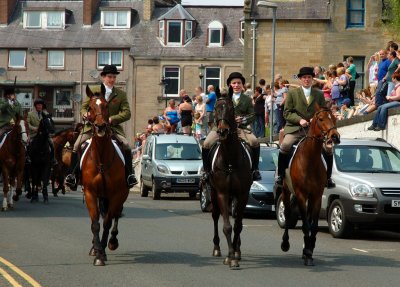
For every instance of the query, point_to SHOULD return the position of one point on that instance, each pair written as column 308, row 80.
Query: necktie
column 38, row 115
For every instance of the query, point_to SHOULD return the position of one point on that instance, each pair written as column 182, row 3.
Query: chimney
column 6, row 9
column 89, row 10
column 148, row 8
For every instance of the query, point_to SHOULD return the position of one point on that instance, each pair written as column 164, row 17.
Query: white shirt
column 235, row 98
column 108, row 92
column 307, row 92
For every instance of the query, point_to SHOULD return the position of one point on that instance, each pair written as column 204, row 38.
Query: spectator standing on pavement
column 248, row 91
column 372, row 67
column 258, row 102
column 394, row 65
column 383, row 67
column 210, row 103
column 351, row 70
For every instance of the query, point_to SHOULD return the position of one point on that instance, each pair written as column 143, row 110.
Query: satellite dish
column 94, row 74
column 3, row 71
column 76, row 98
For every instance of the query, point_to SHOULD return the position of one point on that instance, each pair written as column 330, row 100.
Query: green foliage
column 391, row 16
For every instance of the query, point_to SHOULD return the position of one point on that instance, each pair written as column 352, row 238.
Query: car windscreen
column 367, row 159
column 268, row 159
column 177, row 151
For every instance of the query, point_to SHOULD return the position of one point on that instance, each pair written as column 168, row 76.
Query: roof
column 176, row 13
column 364, row 142
column 293, row 10
column 175, row 138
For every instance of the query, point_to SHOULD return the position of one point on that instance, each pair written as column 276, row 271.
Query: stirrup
column 131, row 180
column 70, row 181
column 256, row 175
column 279, row 180
column 330, row 183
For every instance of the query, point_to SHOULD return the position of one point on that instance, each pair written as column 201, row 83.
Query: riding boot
column 129, row 172
column 329, row 162
column 283, row 162
column 71, row 180
column 255, row 151
column 27, row 155
column 53, row 160
column 206, row 163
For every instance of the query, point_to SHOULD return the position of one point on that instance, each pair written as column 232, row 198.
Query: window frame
column 115, row 16
column 187, row 39
column 168, row 80
column 119, row 67
column 161, row 30
column 208, row 79
column 350, row 10
column 53, row 67
column 215, row 26
column 180, row 34
column 56, row 93
column 43, row 20
column 242, row 30
column 10, row 52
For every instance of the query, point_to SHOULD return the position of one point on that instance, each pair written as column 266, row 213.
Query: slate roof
column 177, row 13
column 294, row 10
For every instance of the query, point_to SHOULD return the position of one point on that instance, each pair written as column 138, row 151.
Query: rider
column 34, row 118
column 303, row 101
column 244, row 114
column 119, row 112
column 9, row 108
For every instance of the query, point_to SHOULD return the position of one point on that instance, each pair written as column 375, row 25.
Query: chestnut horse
column 103, row 178
column 12, row 161
column 306, row 178
column 230, row 180
column 60, row 139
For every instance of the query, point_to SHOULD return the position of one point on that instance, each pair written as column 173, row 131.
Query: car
column 261, row 198
column 170, row 163
column 367, row 193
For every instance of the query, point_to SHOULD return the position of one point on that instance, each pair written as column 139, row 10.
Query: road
column 169, row 243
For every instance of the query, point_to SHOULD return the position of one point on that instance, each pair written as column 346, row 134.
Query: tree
column 391, row 16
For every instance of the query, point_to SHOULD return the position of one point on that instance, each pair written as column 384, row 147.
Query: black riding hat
column 306, row 71
column 109, row 69
column 9, row 91
column 38, row 102
column 235, row 75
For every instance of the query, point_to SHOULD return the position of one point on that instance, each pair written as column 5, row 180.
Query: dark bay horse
column 306, row 178
column 12, row 161
column 60, row 139
column 39, row 152
column 103, row 178
column 230, row 181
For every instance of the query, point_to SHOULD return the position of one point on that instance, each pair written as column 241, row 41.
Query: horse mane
column 63, row 130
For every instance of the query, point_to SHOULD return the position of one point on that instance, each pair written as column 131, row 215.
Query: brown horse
column 12, row 161
column 60, row 139
column 103, row 178
column 306, row 179
column 230, row 181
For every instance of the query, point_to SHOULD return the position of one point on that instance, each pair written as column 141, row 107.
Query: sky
column 214, row 2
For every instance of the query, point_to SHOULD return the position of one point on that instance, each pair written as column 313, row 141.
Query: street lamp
column 253, row 63
column 164, row 83
column 274, row 7
column 201, row 74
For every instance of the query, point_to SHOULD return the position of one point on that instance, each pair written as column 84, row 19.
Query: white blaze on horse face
column 98, row 102
column 23, row 132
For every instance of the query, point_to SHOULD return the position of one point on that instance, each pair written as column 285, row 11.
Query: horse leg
column 91, row 203
column 237, row 229
column 314, row 209
column 307, row 253
column 223, row 201
column 215, row 215
column 6, row 188
column 45, row 194
column 10, row 202
column 107, row 222
column 285, row 245
column 53, row 183
column 113, row 242
column 18, row 189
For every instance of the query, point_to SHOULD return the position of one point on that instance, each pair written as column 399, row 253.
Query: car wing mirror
column 146, row 157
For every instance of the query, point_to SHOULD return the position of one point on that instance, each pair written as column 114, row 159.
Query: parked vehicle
column 367, row 193
column 261, row 198
column 170, row 163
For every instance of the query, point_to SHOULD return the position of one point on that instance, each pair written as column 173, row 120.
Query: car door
column 146, row 164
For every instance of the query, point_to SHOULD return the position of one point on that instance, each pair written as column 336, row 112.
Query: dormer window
column 116, row 19
column 215, row 34
column 38, row 19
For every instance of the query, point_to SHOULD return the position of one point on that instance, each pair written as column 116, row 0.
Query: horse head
column 224, row 114
column 98, row 111
column 46, row 125
column 324, row 126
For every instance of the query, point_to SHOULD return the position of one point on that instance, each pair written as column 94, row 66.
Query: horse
column 102, row 178
column 12, row 161
column 60, row 139
column 39, row 152
column 230, row 180
column 306, row 179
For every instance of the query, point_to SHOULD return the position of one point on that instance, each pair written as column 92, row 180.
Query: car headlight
column 361, row 190
column 163, row 169
column 257, row 186
column 200, row 169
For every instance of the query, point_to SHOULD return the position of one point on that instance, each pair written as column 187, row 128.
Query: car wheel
column 280, row 215
column 339, row 227
column 144, row 190
column 205, row 198
column 156, row 191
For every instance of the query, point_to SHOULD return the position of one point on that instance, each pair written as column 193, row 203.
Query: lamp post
column 253, row 62
column 164, row 83
column 201, row 74
column 274, row 7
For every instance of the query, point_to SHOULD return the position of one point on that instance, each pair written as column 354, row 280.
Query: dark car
column 261, row 198
column 367, row 192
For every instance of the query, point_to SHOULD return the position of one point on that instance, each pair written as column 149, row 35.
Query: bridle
column 324, row 133
column 222, row 103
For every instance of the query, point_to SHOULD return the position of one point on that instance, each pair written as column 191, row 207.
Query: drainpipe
column 81, row 87
column 253, row 62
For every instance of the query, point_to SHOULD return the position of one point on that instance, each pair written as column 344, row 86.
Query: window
column 161, row 30
column 115, row 19
column 355, row 13
column 24, row 97
column 188, row 31
column 215, row 34
column 213, row 76
column 242, row 30
column 174, row 32
column 109, row 58
column 359, row 62
column 55, row 59
column 62, row 98
column 17, row 59
column 44, row 19
column 172, row 77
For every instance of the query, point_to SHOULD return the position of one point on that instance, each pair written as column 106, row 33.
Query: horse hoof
column 28, row 195
column 46, row 201
column 55, row 194
column 98, row 262
column 227, row 261
column 238, row 255
column 10, row 206
column 217, row 253
column 3, row 209
column 16, row 197
column 285, row 246
column 92, row 252
column 234, row 264
column 113, row 244
column 308, row 262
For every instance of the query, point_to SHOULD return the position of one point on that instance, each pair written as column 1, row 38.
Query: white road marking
column 257, row 225
column 361, row 250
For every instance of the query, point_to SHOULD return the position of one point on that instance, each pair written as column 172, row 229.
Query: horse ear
column 89, row 92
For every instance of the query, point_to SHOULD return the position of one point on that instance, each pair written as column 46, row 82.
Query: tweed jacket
column 34, row 121
column 9, row 112
column 297, row 100
column 244, row 108
column 118, row 109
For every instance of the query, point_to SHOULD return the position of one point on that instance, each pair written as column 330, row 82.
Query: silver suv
column 170, row 163
column 367, row 193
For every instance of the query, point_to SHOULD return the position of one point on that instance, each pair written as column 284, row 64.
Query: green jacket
column 34, row 121
column 9, row 112
column 118, row 109
column 244, row 108
column 297, row 100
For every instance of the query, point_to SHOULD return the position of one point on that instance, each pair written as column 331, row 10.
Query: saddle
column 4, row 131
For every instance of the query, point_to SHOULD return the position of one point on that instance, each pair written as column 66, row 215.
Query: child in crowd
column 198, row 125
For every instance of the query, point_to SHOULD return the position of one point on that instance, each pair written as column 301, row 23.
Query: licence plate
column 185, row 180
column 396, row 203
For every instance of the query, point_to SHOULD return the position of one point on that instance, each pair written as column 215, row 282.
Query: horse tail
column 103, row 206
